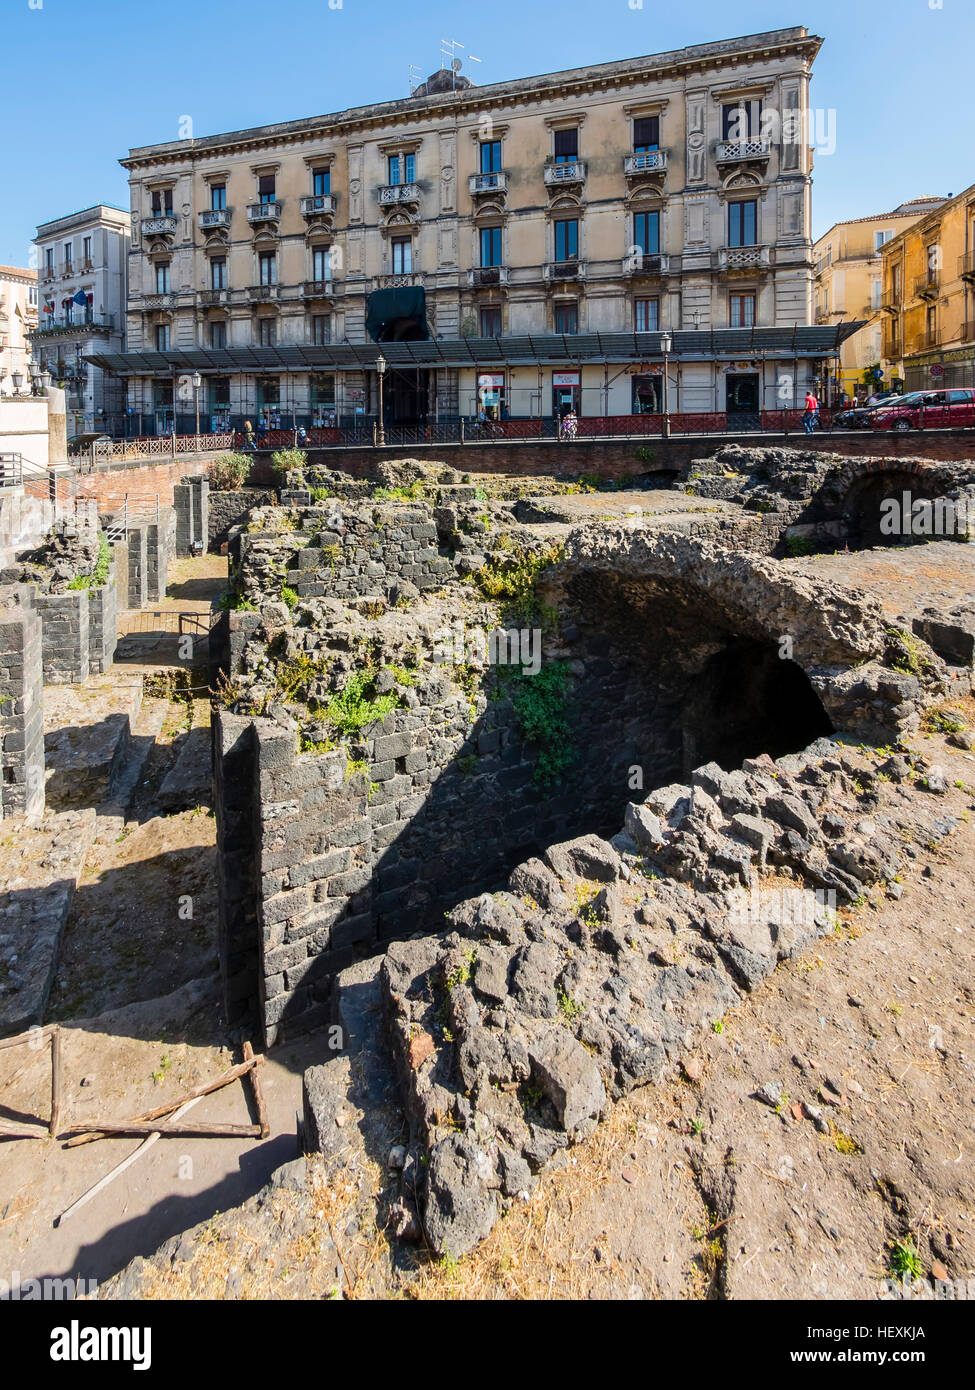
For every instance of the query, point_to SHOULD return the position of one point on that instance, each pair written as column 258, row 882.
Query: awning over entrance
column 397, row 315
column 696, row 345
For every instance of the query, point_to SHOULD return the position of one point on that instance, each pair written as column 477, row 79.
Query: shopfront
column 491, row 395
column 566, row 394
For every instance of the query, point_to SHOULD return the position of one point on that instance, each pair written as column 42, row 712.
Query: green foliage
column 99, row 574
column 569, row 1007
column 319, row 494
column 411, row 492
column 799, row 545
column 294, row 676
column 229, row 472
column 904, row 1258
column 511, row 580
column 540, row 708
column 357, row 704
column 356, row 767
column 907, row 653
column 284, row 460
column 644, row 454
column 289, row 596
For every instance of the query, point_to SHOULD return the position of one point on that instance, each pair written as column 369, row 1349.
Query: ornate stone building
column 520, row 245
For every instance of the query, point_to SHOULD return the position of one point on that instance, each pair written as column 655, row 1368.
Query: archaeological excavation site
column 543, row 885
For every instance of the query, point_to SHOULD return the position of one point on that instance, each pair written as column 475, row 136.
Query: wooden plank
column 211, row 1130
column 27, row 1037
column 255, row 1082
column 89, row 1134
column 57, row 1081
column 10, row 1130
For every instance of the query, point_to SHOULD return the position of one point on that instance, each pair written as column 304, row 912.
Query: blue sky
column 86, row 79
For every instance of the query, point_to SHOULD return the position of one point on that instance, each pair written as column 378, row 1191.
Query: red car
column 928, row 410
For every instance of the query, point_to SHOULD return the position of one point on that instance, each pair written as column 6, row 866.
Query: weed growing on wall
column 99, row 574
column 229, row 472
column 285, row 460
column 511, row 578
column 540, row 708
column 357, row 704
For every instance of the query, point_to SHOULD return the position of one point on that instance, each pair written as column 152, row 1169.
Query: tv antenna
column 448, row 57
column 416, row 77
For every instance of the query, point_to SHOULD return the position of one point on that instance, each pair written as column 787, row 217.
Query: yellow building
column 18, row 317
column 929, row 297
column 521, row 245
column 849, row 284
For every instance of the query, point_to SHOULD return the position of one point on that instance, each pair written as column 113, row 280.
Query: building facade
column 18, row 317
column 82, row 267
column 522, row 245
column 929, row 297
column 849, row 285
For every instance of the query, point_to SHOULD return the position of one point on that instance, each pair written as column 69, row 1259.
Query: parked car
column 858, row 417
column 929, row 410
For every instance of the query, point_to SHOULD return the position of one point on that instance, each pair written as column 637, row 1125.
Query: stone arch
column 892, row 501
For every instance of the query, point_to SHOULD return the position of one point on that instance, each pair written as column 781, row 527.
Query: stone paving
column 907, row 579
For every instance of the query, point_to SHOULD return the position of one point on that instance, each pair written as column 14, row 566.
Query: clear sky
column 83, row 80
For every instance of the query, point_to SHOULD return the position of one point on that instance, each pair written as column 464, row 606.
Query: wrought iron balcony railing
column 573, row 172
column 735, row 151
column 483, row 275
column 392, row 194
column 164, row 225
column 318, row 205
column 214, row 217
column 481, row 184
column 652, row 162
column 264, row 212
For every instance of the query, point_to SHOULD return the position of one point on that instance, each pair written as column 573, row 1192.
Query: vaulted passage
column 897, row 508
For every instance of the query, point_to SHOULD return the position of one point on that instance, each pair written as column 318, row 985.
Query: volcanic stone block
column 21, row 713
column 64, row 636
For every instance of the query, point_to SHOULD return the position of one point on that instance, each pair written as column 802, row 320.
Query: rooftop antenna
column 448, row 49
column 415, row 78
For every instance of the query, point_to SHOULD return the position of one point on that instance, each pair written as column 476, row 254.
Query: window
column 162, row 337
column 321, row 263
column 67, row 255
column 162, row 202
column 402, row 168
column 218, row 273
column 490, row 156
column 741, row 121
column 402, row 256
column 49, row 259
column 646, row 232
column 321, row 328
column 646, row 315
column 86, row 249
column 931, row 323
column 566, row 146
column 490, row 246
column 742, row 313
column 880, row 239
column 265, row 332
column 875, row 292
column 566, row 239
column 567, row 318
column 268, row 263
column 218, row 334
column 218, row 197
column 321, row 182
column 742, row 224
column 266, row 186
column 162, row 277
column 491, row 323
column 646, row 134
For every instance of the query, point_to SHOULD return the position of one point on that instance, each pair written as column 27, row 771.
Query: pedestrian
column 569, row 424
column 810, row 416
column 249, row 435
column 302, row 437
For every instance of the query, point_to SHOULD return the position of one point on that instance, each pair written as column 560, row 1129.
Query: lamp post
column 381, row 370
column 197, row 383
column 666, row 343
column 17, row 380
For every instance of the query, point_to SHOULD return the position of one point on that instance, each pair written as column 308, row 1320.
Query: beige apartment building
column 929, row 297
column 18, row 316
column 521, row 246
column 849, row 285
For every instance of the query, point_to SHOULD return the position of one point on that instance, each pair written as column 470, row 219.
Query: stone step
column 87, row 731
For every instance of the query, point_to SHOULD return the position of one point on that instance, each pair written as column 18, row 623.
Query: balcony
column 395, row 194
column 741, row 151
column 258, row 294
column 482, row 185
column 732, row 259
column 67, row 270
column 165, row 300
column 967, row 332
column 210, row 297
column 558, row 271
column 824, row 315
column 159, row 226
column 87, row 266
column 318, row 289
column 214, row 217
column 637, row 165
column 966, row 265
column 318, row 205
column 642, row 263
column 558, row 174
column 484, row 275
column 926, row 342
column 261, row 213
column 927, row 286
column 64, row 325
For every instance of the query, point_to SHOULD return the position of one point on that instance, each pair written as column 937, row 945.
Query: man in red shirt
column 811, row 414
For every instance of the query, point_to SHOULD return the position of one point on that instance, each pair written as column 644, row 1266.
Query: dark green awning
column 406, row 307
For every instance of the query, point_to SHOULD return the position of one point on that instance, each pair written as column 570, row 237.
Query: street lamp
column 381, row 369
column 666, row 343
column 197, row 383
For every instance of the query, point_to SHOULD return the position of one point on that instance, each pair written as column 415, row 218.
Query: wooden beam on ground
column 87, row 1134
column 57, row 1081
column 214, row 1130
column 255, row 1082
column 27, row 1037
